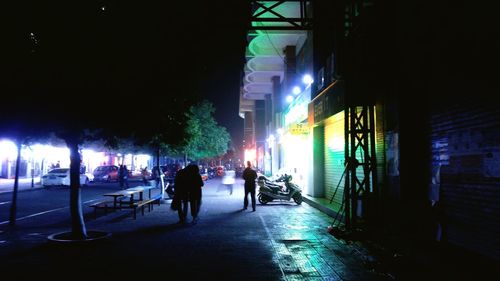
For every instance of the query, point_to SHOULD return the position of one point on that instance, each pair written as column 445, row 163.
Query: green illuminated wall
column 334, row 158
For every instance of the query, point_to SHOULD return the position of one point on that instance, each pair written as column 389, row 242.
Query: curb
column 11, row 189
column 322, row 207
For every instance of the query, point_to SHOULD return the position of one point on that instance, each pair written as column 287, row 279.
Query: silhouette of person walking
column 145, row 174
column 123, row 176
column 181, row 195
column 249, row 175
column 188, row 185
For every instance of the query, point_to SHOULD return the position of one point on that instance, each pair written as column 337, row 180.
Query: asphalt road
column 42, row 206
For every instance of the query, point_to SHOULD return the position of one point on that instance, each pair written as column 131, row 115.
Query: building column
column 290, row 72
column 276, row 122
column 260, row 132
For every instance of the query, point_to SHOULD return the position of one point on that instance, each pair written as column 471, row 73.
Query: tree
column 166, row 130
column 66, row 75
column 86, row 72
column 206, row 139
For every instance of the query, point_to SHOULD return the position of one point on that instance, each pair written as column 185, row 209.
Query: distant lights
column 289, row 99
column 34, row 40
column 296, row 90
column 8, row 149
column 270, row 141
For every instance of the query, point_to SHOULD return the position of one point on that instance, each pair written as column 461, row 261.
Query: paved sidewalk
column 7, row 185
column 280, row 241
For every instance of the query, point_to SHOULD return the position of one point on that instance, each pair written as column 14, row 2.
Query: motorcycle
column 269, row 190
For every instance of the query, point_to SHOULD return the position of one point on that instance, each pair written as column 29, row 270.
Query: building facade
column 391, row 134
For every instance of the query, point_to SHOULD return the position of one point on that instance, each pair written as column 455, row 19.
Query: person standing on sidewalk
column 249, row 175
column 121, row 173
column 123, row 176
column 145, row 175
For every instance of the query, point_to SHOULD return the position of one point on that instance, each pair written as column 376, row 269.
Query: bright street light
column 307, row 79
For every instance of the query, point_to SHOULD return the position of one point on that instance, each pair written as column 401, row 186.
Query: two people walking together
column 188, row 185
column 188, row 191
column 123, row 176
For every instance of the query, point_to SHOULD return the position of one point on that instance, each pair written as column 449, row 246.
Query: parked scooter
column 269, row 190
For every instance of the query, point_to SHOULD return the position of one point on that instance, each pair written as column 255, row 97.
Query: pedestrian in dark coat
column 121, row 176
column 145, row 175
column 194, row 184
column 125, row 176
column 181, row 195
column 249, row 175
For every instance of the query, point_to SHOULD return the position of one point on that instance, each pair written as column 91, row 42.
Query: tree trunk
column 160, row 173
column 13, row 206
column 42, row 166
column 32, row 172
column 77, row 223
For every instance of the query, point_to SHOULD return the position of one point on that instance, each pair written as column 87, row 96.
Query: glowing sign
column 299, row 129
column 250, row 155
column 296, row 114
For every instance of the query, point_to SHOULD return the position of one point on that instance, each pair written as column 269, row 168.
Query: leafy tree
column 166, row 129
column 206, row 139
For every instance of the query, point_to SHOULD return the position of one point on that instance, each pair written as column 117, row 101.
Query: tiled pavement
column 280, row 241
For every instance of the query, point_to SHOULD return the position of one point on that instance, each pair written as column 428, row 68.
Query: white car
column 60, row 176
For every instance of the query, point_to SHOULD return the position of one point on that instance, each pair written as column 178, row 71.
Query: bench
column 102, row 205
column 147, row 202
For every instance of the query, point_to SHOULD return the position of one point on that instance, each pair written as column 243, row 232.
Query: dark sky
column 142, row 51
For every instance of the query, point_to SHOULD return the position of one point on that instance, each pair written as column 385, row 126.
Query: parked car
column 106, row 173
column 60, row 176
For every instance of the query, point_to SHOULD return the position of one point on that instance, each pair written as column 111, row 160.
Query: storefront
column 296, row 143
column 327, row 120
column 297, row 156
column 38, row 159
column 334, row 157
column 35, row 159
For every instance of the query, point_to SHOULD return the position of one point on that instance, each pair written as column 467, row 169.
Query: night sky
column 140, row 51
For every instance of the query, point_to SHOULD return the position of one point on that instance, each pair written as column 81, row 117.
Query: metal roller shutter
column 334, row 157
column 466, row 175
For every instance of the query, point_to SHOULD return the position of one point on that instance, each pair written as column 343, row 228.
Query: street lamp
column 307, row 79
